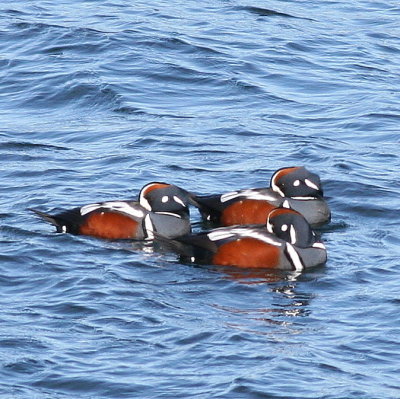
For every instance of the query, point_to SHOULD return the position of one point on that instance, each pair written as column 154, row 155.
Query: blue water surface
column 98, row 98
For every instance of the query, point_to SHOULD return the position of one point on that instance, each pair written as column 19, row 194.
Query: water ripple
column 98, row 98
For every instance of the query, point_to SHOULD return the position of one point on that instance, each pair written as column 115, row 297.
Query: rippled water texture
column 99, row 97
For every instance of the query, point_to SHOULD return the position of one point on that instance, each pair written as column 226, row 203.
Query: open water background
column 98, row 98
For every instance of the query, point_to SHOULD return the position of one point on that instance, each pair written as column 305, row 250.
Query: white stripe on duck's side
column 294, row 258
column 149, row 227
column 248, row 194
column 118, row 206
column 242, row 233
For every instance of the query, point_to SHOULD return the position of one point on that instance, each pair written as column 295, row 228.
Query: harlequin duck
column 286, row 242
column 295, row 188
column 161, row 208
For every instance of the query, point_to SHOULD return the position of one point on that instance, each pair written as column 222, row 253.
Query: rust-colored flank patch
column 109, row 225
column 247, row 252
column 246, row 212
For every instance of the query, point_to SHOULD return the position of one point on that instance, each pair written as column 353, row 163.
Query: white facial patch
column 275, row 187
column 310, row 184
column 143, row 201
column 304, row 198
column 169, row 214
column 284, row 227
column 165, row 199
column 293, row 237
column 142, row 197
column 118, row 206
column 296, row 183
column 179, row 201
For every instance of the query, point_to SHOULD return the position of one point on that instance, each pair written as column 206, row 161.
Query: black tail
column 172, row 245
column 46, row 217
column 190, row 248
column 209, row 206
column 68, row 221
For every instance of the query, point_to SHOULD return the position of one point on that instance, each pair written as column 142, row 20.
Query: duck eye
column 165, row 198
